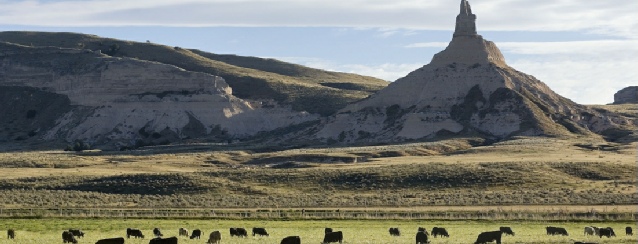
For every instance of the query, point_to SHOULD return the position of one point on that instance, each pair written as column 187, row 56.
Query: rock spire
column 465, row 21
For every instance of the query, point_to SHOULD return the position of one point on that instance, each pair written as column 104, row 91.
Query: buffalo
column 436, row 231
column 608, row 232
column 118, row 240
column 506, row 230
column 157, row 232
column 333, row 237
column 395, row 232
column 134, row 233
column 159, row 240
column 183, row 232
column 291, row 240
column 67, row 237
column 629, row 231
column 556, row 231
column 77, row 233
column 422, row 237
column 489, row 236
column 327, row 230
column 215, row 237
column 260, row 231
column 11, row 234
column 196, row 234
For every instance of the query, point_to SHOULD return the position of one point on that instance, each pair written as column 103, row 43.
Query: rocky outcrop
column 467, row 89
column 124, row 101
column 626, row 95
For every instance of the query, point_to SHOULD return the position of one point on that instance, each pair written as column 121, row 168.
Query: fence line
column 301, row 214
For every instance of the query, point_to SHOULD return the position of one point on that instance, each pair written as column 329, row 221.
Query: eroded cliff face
column 626, row 95
column 122, row 101
column 467, row 89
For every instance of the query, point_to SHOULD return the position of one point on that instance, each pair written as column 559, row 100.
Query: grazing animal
column 159, row 240
column 328, row 230
column 291, row 240
column 421, row 229
column 556, row 231
column 134, row 233
column 183, row 232
column 215, row 237
column 67, row 237
column 157, row 232
column 629, row 231
column 436, row 231
column 196, row 234
column 333, row 237
column 260, row 231
column 489, row 236
column 578, row 242
column 395, row 232
column 422, row 237
column 77, row 233
column 11, row 234
column 589, row 231
column 608, row 232
column 118, row 240
column 507, row 231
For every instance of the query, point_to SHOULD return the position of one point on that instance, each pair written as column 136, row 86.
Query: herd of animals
column 330, row 236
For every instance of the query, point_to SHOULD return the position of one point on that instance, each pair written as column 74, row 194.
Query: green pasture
column 43, row 231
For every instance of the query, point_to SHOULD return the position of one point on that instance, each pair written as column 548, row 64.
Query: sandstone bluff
column 467, row 89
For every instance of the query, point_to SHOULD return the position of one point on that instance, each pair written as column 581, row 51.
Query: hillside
column 302, row 88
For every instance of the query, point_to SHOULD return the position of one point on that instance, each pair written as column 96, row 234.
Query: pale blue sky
column 584, row 50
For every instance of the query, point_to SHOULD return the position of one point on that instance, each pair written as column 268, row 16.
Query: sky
column 584, row 50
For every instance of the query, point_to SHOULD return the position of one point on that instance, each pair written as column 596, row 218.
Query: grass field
column 356, row 232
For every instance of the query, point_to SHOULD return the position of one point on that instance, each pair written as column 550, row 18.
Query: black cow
column 506, row 230
column 608, row 232
column 159, row 240
column 436, row 231
column 197, row 233
column 157, row 232
column 422, row 237
column 215, row 237
column 421, row 229
column 556, row 231
column 327, row 230
column 395, row 232
column 119, row 240
column 77, row 233
column 67, row 237
column 239, row 232
column 291, row 240
column 489, row 236
column 333, row 237
column 134, row 233
column 11, row 234
column 629, row 231
column 259, row 231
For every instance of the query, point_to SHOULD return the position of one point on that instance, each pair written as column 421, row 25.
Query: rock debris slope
column 467, row 89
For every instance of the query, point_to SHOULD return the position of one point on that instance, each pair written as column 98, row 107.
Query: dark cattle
column 233, row 232
column 422, row 237
column 215, row 237
column 556, row 231
column 578, row 242
column 260, row 231
column 327, row 230
column 183, row 232
column 629, row 231
column 239, row 232
column 490, row 236
column 333, row 237
column 158, row 240
column 608, row 232
column 421, row 229
column 157, row 232
column 119, row 240
column 11, row 234
column 436, row 231
column 77, row 233
column 67, row 237
column 196, row 234
column 134, row 233
column 506, row 230
column 291, row 240
column 395, row 232
column 589, row 230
